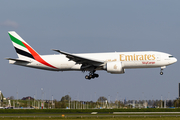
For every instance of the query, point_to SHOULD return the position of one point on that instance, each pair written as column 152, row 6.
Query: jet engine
column 114, row 67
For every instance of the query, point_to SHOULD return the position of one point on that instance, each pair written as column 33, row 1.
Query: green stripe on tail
column 15, row 40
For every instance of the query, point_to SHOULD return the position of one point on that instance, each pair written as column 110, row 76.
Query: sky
column 90, row 26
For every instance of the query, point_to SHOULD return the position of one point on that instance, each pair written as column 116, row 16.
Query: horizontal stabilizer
column 18, row 60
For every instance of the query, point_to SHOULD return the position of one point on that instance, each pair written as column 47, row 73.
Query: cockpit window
column 171, row 56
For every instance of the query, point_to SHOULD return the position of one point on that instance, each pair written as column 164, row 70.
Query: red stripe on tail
column 37, row 57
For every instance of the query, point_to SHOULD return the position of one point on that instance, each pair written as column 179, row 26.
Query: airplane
column 112, row 62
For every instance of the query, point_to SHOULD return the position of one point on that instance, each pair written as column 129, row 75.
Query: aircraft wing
column 80, row 60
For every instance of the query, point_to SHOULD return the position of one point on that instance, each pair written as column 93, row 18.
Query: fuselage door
column 158, row 57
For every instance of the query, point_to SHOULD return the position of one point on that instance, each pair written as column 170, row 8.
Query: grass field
column 88, row 116
column 102, row 114
column 122, row 118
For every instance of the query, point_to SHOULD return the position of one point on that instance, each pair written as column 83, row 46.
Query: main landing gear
column 91, row 75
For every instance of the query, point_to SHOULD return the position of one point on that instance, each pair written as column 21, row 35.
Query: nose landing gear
column 161, row 73
column 162, row 68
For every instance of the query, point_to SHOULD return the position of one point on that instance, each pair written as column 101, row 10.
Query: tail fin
column 24, row 51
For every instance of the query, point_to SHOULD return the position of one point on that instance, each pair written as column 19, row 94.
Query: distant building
column 179, row 90
column 27, row 98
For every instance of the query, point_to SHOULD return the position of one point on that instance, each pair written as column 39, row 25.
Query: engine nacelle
column 114, row 67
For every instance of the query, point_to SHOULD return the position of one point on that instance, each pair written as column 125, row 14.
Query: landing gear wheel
column 87, row 77
column 161, row 73
column 91, row 76
column 96, row 75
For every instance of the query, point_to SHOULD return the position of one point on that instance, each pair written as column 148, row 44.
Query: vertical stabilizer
column 24, row 51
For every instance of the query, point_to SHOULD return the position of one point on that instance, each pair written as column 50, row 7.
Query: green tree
column 66, row 98
column 169, row 103
column 102, row 99
column 63, row 104
column 2, row 96
column 11, row 98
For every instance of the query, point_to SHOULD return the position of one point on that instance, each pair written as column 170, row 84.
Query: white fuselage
column 144, row 59
column 112, row 62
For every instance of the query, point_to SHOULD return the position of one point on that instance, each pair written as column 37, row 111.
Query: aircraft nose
column 172, row 60
column 175, row 60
